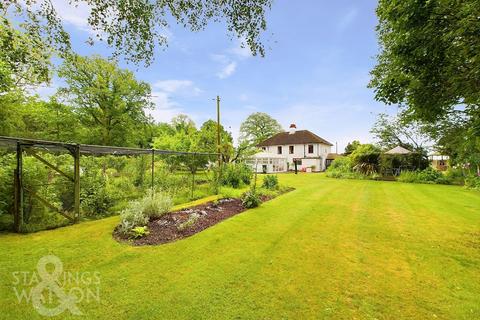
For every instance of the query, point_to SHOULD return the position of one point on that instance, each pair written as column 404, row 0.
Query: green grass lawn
column 339, row 249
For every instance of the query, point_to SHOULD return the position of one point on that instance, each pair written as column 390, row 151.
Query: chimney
column 293, row 127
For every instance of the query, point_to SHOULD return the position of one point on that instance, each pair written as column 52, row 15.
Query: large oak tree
column 108, row 99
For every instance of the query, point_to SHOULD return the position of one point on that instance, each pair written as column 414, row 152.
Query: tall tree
column 258, row 127
column 108, row 100
column 207, row 140
column 454, row 137
column 351, row 146
column 184, row 137
column 29, row 117
column 133, row 28
column 429, row 57
column 392, row 131
column 183, row 123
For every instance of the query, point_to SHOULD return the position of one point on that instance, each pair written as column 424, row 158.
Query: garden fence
column 71, row 181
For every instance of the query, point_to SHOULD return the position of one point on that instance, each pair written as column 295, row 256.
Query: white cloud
column 172, row 86
column 163, row 97
column 227, row 70
column 230, row 58
column 240, row 50
column 165, row 109
column 74, row 14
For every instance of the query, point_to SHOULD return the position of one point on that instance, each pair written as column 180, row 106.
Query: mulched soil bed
column 168, row 227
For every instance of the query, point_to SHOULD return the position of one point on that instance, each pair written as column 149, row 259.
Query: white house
column 302, row 147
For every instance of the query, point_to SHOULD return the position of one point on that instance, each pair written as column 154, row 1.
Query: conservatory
column 264, row 162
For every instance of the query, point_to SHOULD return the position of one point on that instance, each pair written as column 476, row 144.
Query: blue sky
column 314, row 74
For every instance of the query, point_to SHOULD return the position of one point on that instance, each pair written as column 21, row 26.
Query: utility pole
column 218, row 132
column 336, row 147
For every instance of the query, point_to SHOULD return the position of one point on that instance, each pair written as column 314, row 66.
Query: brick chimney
column 293, row 128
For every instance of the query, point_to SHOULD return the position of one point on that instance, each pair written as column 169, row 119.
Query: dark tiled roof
column 299, row 137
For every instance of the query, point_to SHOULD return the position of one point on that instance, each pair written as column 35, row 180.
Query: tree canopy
column 108, row 100
column 351, row 146
column 134, row 28
column 429, row 59
column 24, row 58
column 392, row 131
column 182, row 135
column 257, row 127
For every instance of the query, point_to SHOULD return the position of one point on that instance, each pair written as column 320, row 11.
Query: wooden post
column 193, row 176
column 219, row 143
column 18, row 218
column 76, row 182
column 153, row 171
column 218, row 132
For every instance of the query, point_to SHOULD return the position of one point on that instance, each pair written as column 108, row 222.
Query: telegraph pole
column 218, row 132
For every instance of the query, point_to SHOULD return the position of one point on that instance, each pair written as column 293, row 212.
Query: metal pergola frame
column 21, row 145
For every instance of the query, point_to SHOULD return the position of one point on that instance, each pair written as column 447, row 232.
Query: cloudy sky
column 315, row 72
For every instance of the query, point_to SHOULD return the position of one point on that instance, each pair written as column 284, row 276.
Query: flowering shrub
column 250, row 199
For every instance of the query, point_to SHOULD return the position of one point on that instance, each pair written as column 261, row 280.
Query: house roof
column 333, row 156
column 298, row 137
column 398, row 150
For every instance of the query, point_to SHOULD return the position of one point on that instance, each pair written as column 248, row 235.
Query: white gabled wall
column 301, row 152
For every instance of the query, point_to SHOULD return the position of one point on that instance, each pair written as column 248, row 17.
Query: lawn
column 340, row 249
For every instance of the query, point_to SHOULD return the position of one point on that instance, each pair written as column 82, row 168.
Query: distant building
column 301, row 147
column 439, row 162
column 330, row 158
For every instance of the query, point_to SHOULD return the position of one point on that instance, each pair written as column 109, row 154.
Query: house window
column 264, row 148
column 291, row 149
column 279, row 150
column 310, row 148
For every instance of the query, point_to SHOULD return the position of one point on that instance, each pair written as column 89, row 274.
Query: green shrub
column 95, row 200
column 236, row 174
column 251, row 199
column 429, row 175
column 7, row 165
column 456, row 176
column 229, row 192
column 343, row 165
column 341, row 168
column 365, row 159
column 171, row 182
column 138, row 213
column 132, row 217
column 139, row 232
column 270, row 182
column 6, row 222
column 155, row 204
column 192, row 219
column 472, row 182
